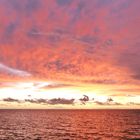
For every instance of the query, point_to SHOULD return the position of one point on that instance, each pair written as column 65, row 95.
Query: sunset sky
column 70, row 54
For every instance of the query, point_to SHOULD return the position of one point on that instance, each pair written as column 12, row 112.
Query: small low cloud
column 37, row 101
column 55, row 101
column 84, row 99
column 98, row 103
column 11, row 100
column 64, row 101
column 133, row 103
column 109, row 101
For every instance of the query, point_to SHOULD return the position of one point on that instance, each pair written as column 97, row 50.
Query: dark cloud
column 34, row 33
column 14, row 4
column 10, row 29
column 77, row 13
column 8, row 33
column 84, row 99
column 37, row 101
column 136, row 76
column 91, row 40
column 122, row 6
column 11, row 100
column 42, row 100
column 109, row 100
column 59, row 65
column 61, row 31
column 116, row 103
column 31, row 100
column 64, row 2
column 54, row 38
column 28, row 6
column 32, row 5
column 51, row 37
column 55, row 101
column 63, row 101
column 129, row 58
column 101, row 3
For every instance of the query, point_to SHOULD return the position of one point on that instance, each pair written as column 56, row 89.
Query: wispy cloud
column 124, row 94
column 11, row 71
column 128, row 90
column 56, row 85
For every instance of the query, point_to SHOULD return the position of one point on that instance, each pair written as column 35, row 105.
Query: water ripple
column 69, row 124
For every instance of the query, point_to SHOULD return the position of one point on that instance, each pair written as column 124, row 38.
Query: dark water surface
column 70, row 124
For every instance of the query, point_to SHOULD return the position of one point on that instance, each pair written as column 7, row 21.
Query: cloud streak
column 14, row 72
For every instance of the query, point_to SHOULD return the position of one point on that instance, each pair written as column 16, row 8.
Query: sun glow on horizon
column 18, row 93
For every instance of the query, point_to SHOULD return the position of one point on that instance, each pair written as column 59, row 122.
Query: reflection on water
column 69, row 124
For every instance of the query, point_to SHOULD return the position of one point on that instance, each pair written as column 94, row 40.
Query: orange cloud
column 94, row 43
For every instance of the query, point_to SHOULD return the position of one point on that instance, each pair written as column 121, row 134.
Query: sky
column 70, row 54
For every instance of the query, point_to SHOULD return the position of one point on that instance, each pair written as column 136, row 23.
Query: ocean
column 69, row 124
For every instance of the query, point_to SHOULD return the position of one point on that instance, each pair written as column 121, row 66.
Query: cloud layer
column 73, row 46
column 70, row 40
